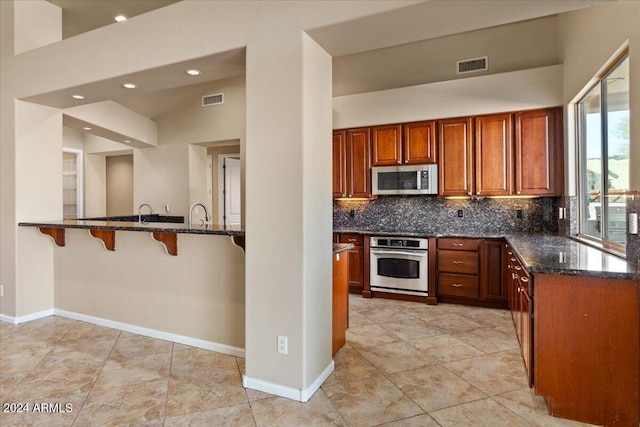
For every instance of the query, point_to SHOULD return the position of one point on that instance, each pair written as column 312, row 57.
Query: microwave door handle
column 418, row 180
column 417, row 254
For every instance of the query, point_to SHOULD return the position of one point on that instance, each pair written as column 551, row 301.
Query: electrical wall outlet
column 633, row 223
column 460, row 213
column 519, row 213
column 283, row 345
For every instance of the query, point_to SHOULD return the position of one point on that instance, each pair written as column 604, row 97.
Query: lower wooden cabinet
column 587, row 348
column 340, row 304
column 469, row 271
column 358, row 265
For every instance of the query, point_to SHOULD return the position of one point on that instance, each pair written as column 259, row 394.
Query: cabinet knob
column 518, row 192
column 457, row 285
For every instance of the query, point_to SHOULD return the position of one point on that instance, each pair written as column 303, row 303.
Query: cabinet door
column 494, row 170
column 420, row 143
column 538, row 169
column 386, row 145
column 455, row 151
column 356, row 270
column 358, row 163
column 491, row 282
column 339, row 164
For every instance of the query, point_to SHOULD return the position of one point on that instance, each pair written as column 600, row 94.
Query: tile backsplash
column 432, row 215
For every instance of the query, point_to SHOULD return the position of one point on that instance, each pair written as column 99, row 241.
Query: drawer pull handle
column 524, row 279
column 458, row 244
column 513, row 259
column 457, row 262
column 351, row 240
column 457, row 285
column 518, row 268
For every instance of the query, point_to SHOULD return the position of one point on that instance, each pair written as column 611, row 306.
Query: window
column 603, row 136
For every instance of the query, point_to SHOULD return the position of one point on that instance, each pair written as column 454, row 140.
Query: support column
column 288, row 214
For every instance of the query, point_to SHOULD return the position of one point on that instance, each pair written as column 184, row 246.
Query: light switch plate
column 633, row 223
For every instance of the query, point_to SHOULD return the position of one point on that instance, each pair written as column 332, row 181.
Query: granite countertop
column 547, row 254
column 341, row 247
column 229, row 230
column 540, row 253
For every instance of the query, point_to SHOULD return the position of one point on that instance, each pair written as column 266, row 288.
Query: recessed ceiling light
column 77, row 96
column 193, row 72
column 127, row 141
column 86, row 128
column 129, row 85
column 120, row 18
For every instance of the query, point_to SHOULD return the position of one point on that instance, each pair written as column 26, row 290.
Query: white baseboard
column 288, row 392
column 27, row 317
column 147, row 332
column 153, row 333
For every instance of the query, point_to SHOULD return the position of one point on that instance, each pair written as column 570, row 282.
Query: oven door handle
column 416, row 254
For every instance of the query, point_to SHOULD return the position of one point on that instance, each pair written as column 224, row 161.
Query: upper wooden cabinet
column 339, row 164
column 493, row 155
column 411, row 143
column 538, row 152
column 455, row 151
column 502, row 154
column 386, row 145
column 420, row 142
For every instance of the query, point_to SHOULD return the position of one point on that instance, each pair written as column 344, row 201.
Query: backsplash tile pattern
column 432, row 215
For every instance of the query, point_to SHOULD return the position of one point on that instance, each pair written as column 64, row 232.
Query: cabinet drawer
column 459, row 244
column 354, row 239
column 458, row 262
column 458, row 285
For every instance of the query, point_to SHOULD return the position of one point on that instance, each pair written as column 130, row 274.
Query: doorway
column 229, row 190
column 72, row 179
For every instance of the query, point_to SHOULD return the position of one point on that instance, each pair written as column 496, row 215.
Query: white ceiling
column 422, row 21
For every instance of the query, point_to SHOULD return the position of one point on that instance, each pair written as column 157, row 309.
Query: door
column 456, row 157
column 359, row 163
column 493, row 163
column 232, row 199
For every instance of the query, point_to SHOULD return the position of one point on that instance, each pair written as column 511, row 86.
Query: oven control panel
column 399, row 242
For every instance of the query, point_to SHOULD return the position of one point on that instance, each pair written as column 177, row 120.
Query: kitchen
column 274, row 211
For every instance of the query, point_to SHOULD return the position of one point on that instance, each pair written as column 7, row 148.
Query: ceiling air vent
column 209, row 100
column 473, row 65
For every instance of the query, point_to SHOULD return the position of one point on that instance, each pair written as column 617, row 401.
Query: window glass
column 604, row 157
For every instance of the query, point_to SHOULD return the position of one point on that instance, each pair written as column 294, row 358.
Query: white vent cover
column 472, row 65
column 216, row 99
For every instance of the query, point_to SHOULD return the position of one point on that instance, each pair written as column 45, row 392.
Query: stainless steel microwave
column 404, row 180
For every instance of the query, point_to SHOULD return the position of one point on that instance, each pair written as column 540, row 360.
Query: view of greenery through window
column 604, row 157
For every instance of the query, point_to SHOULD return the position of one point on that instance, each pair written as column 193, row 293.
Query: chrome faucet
column 140, row 212
column 206, row 213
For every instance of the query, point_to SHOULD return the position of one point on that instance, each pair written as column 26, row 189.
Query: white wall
column 72, row 138
column 37, row 23
column 588, row 40
column 512, row 91
column 163, row 175
column 198, row 294
column 119, row 183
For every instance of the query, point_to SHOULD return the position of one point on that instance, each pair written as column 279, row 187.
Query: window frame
column 581, row 157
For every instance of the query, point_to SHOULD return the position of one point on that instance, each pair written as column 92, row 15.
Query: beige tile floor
column 405, row 364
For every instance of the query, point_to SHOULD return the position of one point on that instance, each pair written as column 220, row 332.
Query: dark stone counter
column 541, row 253
column 161, row 227
column 544, row 254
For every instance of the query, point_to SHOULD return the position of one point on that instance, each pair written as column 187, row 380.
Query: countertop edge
column 124, row 226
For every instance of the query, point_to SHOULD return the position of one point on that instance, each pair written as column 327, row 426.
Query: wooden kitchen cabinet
column 493, row 155
column 339, row 164
column 352, row 163
column 386, row 145
column 455, row 151
column 587, row 348
column 470, row 271
column 538, row 152
column 340, row 302
column 357, row 272
column 410, row 144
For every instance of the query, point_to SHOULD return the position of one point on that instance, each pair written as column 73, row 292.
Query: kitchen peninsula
column 118, row 274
